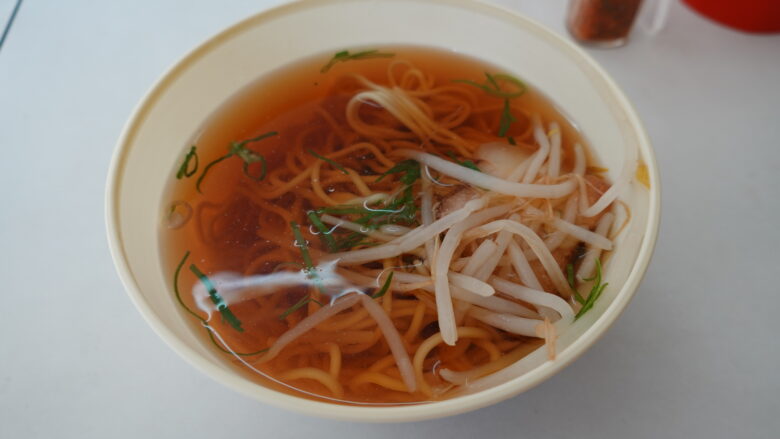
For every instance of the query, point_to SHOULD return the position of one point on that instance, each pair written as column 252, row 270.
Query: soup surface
column 388, row 226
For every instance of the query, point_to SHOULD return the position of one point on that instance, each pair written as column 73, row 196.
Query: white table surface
column 696, row 354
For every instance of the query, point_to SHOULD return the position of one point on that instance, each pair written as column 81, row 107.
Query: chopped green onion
column 249, row 157
column 355, row 239
column 465, row 163
column 493, row 88
column 298, row 305
column 343, row 210
column 349, row 241
column 325, row 233
column 384, row 288
column 492, row 81
column 308, row 265
column 409, row 168
column 344, row 56
column 258, row 138
column 511, row 140
column 506, row 119
column 597, row 276
column 329, row 161
column 518, row 84
column 209, row 329
column 240, row 150
column 222, row 307
column 206, row 170
column 469, row 164
column 184, row 169
column 303, row 245
column 595, row 292
column 176, row 287
column 401, row 208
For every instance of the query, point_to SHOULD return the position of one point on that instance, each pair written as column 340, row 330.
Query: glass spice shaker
column 602, row 23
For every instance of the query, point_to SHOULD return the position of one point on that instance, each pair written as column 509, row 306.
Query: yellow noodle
column 361, row 186
column 332, row 123
column 343, row 197
column 416, row 324
column 619, row 230
column 366, row 323
column 382, row 364
column 356, row 348
column 276, row 192
column 317, row 187
column 334, row 177
column 380, row 380
column 430, row 343
column 502, row 362
column 317, row 375
column 402, row 312
column 314, row 304
column 345, row 321
column 490, row 348
column 343, row 338
column 451, row 353
column 291, row 160
column 411, row 73
column 387, row 299
column 335, row 360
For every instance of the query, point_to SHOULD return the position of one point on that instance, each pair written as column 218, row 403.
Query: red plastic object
column 759, row 16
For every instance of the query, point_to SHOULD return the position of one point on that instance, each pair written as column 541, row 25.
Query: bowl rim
column 407, row 413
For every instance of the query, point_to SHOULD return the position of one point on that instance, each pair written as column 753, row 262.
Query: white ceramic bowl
column 183, row 98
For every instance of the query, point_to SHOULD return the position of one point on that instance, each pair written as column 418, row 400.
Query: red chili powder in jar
column 602, row 22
